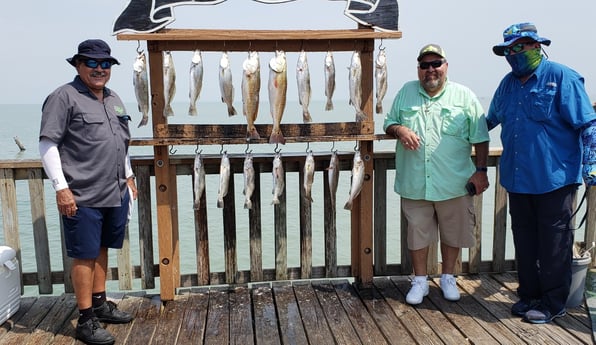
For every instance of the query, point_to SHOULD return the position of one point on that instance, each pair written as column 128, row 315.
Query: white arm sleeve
column 50, row 158
column 128, row 167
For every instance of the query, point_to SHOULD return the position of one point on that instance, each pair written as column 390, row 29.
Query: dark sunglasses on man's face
column 435, row 64
column 105, row 64
column 514, row 49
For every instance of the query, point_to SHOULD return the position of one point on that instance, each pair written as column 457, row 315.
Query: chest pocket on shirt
column 542, row 103
column 453, row 121
column 408, row 116
column 95, row 127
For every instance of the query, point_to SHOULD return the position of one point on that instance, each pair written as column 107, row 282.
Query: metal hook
column 222, row 150
column 381, row 45
column 276, row 150
column 357, row 146
column 172, row 151
column 139, row 50
column 307, row 146
column 247, row 146
column 333, row 149
column 197, row 149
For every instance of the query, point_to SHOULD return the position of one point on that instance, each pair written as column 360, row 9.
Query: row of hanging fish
column 251, row 85
column 357, row 179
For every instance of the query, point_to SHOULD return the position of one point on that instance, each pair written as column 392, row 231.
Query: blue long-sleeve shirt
column 541, row 123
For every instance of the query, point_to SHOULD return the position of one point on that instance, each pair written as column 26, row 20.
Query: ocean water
column 23, row 123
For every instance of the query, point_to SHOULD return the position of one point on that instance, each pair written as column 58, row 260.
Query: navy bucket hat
column 93, row 49
column 517, row 31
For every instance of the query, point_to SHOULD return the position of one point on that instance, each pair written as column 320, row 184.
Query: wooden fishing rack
column 164, row 134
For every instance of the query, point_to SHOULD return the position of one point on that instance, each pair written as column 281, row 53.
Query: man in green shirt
column 436, row 123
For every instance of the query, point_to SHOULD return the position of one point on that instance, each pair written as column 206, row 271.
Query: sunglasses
column 516, row 48
column 105, row 64
column 435, row 64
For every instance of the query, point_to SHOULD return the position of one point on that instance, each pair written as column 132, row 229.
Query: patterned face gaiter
column 524, row 63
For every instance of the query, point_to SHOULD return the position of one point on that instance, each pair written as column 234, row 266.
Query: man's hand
column 66, row 202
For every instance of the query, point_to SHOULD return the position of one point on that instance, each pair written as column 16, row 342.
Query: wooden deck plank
column 434, row 318
column 146, row 319
column 337, row 318
column 394, row 331
column 290, row 321
column 486, row 320
column 240, row 316
column 266, row 331
column 419, row 329
column 218, row 318
column 363, row 323
column 468, row 325
column 194, row 319
column 44, row 332
column 306, row 313
column 313, row 317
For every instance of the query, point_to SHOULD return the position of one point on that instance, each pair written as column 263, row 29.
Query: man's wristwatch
column 484, row 169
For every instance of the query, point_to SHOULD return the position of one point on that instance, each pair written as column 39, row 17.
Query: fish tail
column 220, row 203
column 168, row 111
column 348, row 205
column 143, row 121
column 231, row 110
column 306, row 116
column 277, row 137
column 197, row 204
column 329, row 105
column 379, row 108
column 248, row 204
column 360, row 116
column 252, row 133
column 275, row 201
column 192, row 110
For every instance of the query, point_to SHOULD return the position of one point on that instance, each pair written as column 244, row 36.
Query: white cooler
column 10, row 283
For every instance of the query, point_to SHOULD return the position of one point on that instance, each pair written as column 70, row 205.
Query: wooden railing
column 138, row 262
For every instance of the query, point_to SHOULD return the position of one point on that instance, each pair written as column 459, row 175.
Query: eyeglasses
column 105, row 64
column 516, row 48
column 435, row 64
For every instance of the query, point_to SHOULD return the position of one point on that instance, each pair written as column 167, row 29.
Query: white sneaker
column 449, row 287
column 417, row 292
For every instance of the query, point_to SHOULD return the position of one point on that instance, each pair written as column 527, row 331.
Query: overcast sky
column 37, row 37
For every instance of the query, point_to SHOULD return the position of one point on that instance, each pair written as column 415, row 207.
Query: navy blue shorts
column 92, row 228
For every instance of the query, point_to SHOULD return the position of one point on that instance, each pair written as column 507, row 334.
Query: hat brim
column 499, row 49
column 73, row 59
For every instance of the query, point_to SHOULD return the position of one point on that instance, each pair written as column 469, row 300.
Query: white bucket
column 579, row 268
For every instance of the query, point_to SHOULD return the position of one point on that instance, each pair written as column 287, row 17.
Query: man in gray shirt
column 83, row 142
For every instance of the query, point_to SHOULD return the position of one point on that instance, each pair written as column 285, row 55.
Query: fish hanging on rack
column 249, row 181
column 357, row 179
column 224, row 179
column 141, row 85
column 355, row 85
column 278, row 84
column 251, row 86
column 225, row 83
column 309, row 175
column 195, row 81
column 380, row 79
column 198, row 180
column 333, row 177
column 329, row 80
column 169, row 79
column 278, row 178
column 303, row 81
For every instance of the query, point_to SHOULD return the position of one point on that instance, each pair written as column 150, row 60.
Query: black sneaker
column 540, row 316
column 109, row 313
column 521, row 307
column 92, row 333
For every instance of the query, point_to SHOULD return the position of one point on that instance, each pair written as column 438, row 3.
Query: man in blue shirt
column 546, row 121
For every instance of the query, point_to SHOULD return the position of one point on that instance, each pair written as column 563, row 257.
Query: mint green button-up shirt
column 448, row 125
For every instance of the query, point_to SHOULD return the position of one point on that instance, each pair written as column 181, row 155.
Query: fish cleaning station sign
column 144, row 16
